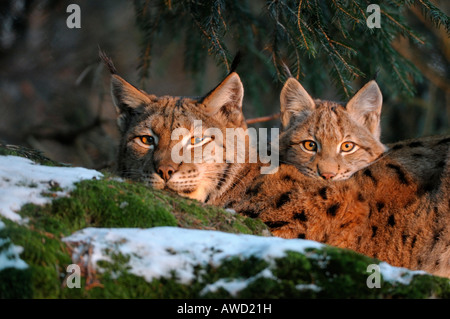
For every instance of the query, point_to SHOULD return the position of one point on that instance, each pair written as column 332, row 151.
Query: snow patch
column 312, row 287
column 160, row 251
column 231, row 211
column 23, row 181
column 397, row 274
column 233, row 286
column 9, row 254
column 163, row 251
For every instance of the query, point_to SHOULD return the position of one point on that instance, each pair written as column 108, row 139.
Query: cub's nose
column 166, row 172
column 327, row 176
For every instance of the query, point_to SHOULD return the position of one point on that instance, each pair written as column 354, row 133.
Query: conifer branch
column 412, row 35
column 263, row 119
column 299, row 24
column 321, row 39
column 342, row 9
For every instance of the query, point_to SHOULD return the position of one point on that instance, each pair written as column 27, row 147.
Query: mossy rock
column 32, row 154
column 115, row 204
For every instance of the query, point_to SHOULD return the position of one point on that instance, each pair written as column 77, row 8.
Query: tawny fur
column 396, row 210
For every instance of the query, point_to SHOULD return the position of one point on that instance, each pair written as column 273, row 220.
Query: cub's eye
column 146, row 140
column 347, row 146
column 310, row 146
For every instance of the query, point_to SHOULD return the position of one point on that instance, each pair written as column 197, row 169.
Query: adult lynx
column 146, row 123
column 396, row 209
column 326, row 139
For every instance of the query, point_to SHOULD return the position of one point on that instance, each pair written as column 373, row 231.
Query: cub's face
column 328, row 140
column 176, row 143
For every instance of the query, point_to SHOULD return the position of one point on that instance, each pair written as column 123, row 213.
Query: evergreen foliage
column 318, row 40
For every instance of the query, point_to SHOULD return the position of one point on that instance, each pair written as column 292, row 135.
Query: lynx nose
column 166, row 172
column 327, row 176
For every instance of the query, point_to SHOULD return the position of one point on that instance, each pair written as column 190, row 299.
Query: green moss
column 101, row 203
column 236, row 267
column 193, row 214
column 346, row 270
column 421, row 287
column 45, row 255
column 31, row 154
column 15, row 284
column 295, row 267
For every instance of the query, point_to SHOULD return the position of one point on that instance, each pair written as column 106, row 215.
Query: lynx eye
column 310, row 145
column 197, row 141
column 146, row 141
column 347, row 146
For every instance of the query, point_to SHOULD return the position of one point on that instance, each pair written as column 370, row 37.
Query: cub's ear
column 127, row 99
column 227, row 96
column 294, row 101
column 365, row 107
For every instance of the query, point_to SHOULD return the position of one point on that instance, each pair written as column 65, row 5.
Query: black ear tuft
column 375, row 76
column 236, row 61
column 107, row 60
column 286, row 70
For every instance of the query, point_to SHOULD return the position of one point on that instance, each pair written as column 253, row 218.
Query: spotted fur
column 396, row 209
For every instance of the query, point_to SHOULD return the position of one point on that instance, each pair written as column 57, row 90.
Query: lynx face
column 328, row 140
column 146, row 123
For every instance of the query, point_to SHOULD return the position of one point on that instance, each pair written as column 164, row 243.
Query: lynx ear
column 127, row 99
column 365, row 107
column 294, row 100
column 227, row 95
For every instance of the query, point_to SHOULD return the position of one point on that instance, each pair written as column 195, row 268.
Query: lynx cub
column 328, row 140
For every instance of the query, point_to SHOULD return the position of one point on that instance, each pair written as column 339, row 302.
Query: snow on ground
column 398, row 274
column 9, row 254
column 22, row 181
column 233, row 286
column 160, row 251
column 157, row 252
